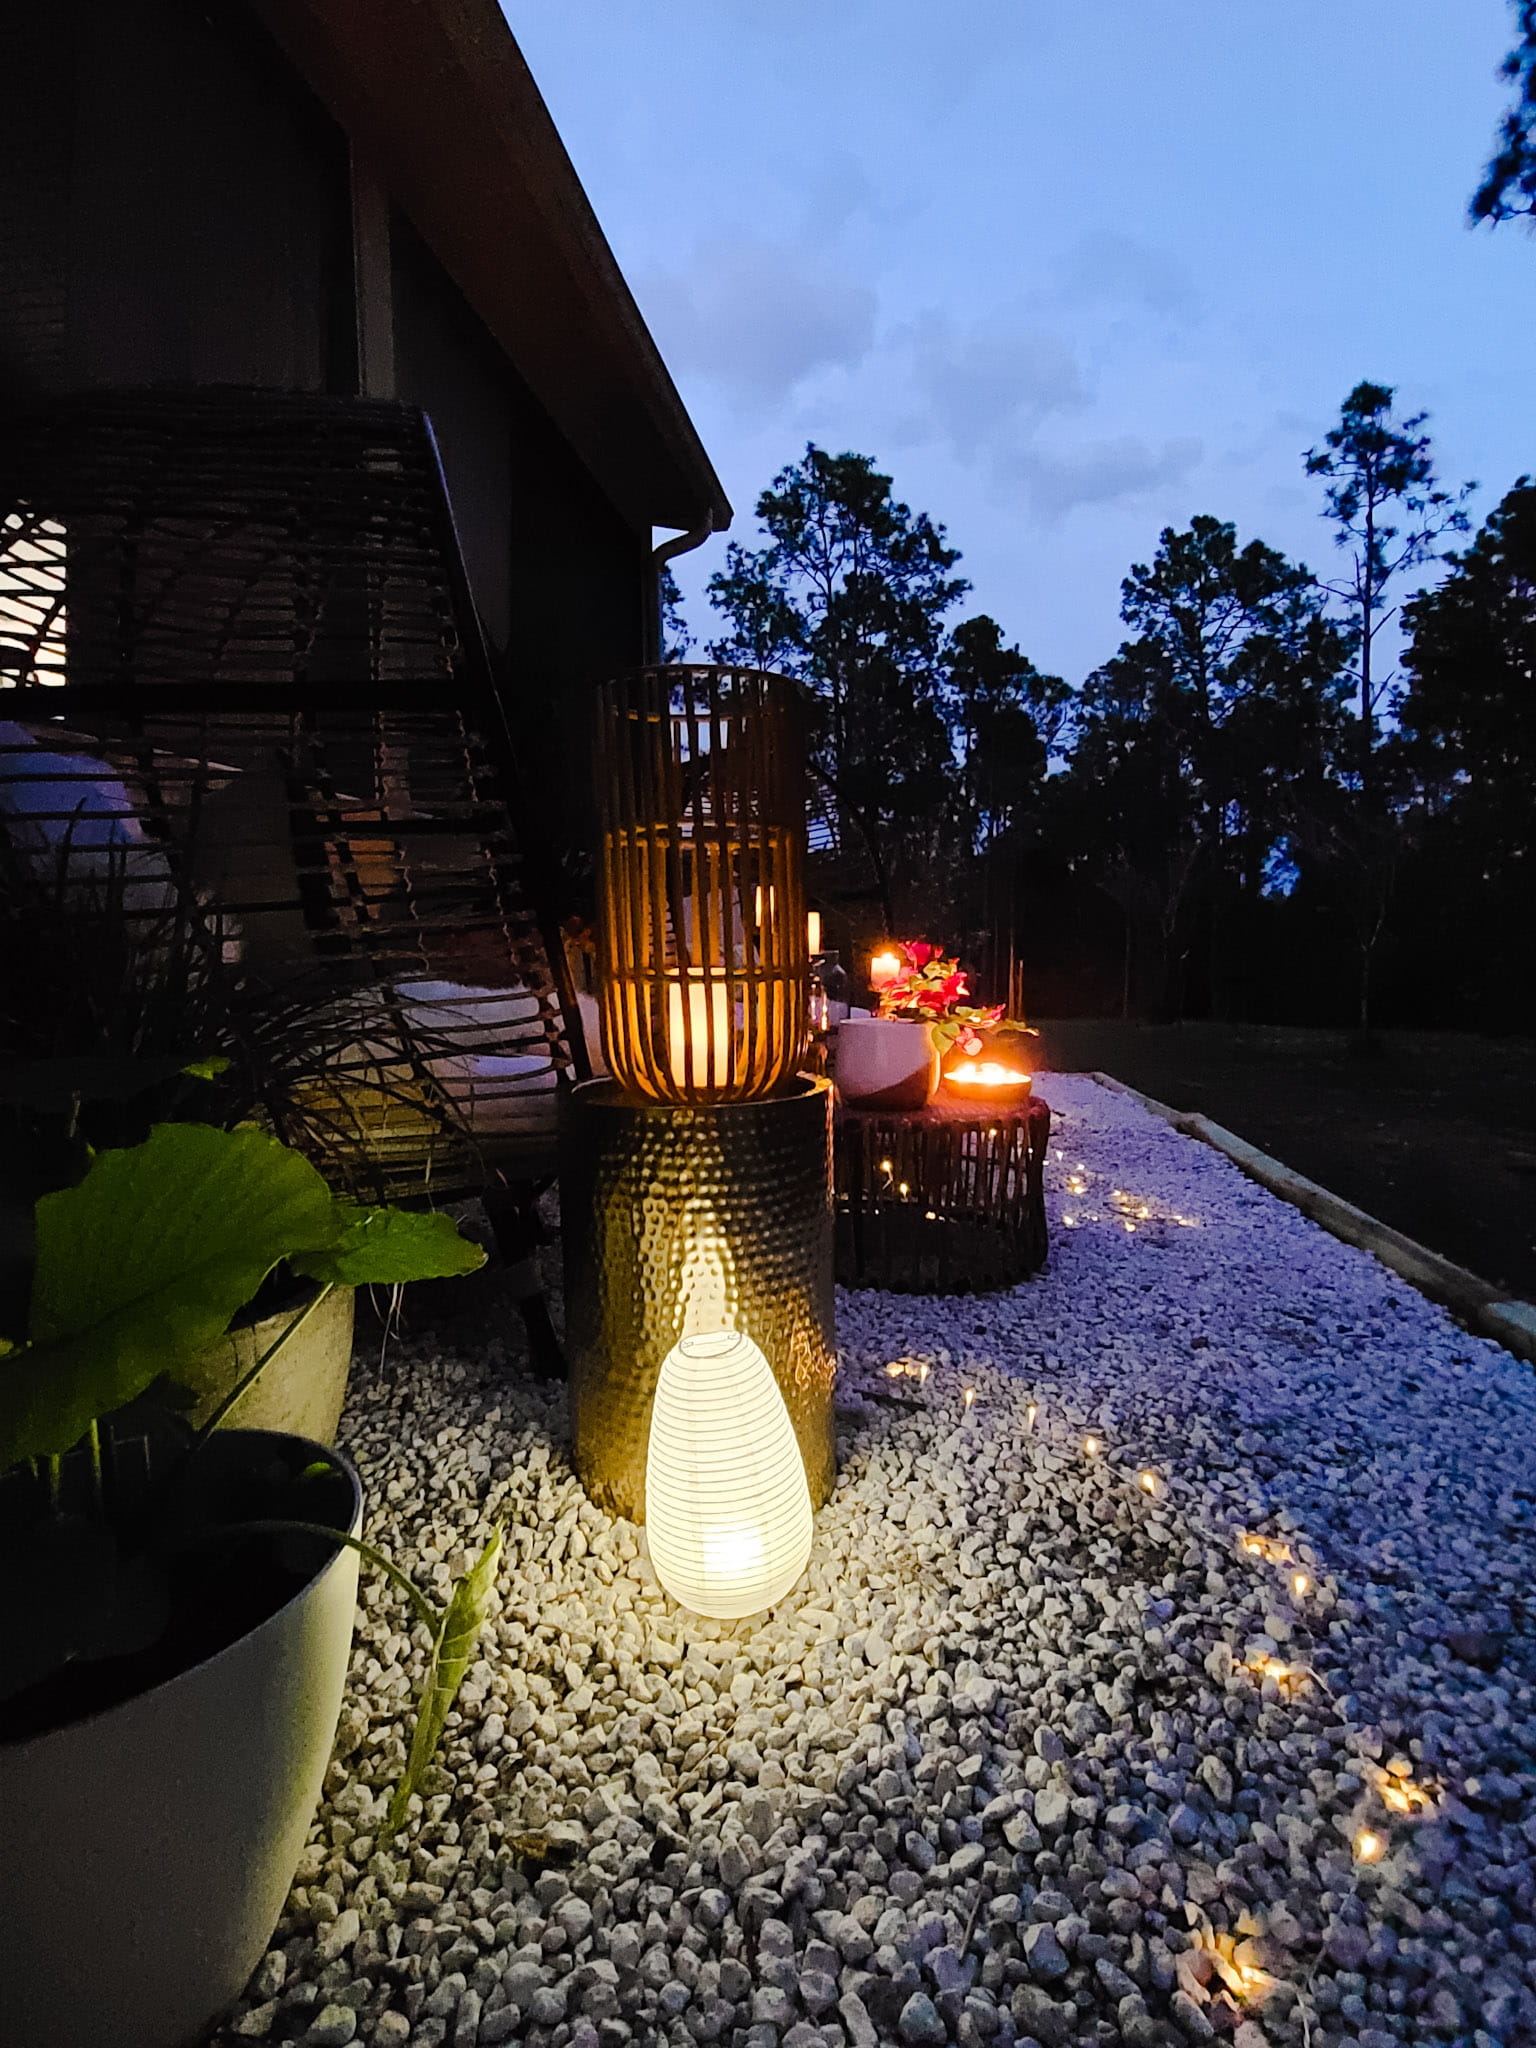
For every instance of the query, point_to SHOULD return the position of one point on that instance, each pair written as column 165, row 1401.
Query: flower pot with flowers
column 893, row 1060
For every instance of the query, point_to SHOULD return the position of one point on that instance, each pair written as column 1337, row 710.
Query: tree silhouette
column 1197, row 740
column 1389, row 511
column 849, row 593
column 1509, row 183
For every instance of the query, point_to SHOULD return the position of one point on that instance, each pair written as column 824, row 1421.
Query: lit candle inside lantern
column 813, row 931
column 699, row 1048
column 883, row 969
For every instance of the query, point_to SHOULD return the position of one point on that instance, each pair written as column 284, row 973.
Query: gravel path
column 1179, row 1686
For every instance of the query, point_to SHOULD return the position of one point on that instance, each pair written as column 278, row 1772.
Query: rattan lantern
column 702, row 923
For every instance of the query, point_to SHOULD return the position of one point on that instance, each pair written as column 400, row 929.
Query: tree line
column 1244, row 811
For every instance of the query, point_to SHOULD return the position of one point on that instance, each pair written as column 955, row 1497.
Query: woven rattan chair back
column 244, row 663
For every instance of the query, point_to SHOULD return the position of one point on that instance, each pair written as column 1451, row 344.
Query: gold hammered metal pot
column 679, row 1218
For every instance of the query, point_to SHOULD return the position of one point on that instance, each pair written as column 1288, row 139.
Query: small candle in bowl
column 981, row 1080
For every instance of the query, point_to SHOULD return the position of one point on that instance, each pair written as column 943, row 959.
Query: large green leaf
column 455, row 1645
column 385, row 1247
column 141, row 1266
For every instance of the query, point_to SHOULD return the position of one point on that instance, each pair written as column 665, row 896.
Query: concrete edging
column 1474, row 1301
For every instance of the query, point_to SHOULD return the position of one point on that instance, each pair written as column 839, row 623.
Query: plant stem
column 93, row 1442
column 256, row 1370
column 283, row 1526
column 53, row 1466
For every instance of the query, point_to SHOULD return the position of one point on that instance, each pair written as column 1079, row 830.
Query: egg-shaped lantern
column 727, row 1507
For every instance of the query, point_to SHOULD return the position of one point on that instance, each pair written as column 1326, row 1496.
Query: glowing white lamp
column 727, row 1507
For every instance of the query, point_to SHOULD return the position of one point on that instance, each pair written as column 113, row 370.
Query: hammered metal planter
column 680, row 1218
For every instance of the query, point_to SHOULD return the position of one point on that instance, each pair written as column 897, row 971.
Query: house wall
column 565, row 586
column 176, row 207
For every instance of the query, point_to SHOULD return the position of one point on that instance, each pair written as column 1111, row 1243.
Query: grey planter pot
column 302, row 1390
column 145, row 1853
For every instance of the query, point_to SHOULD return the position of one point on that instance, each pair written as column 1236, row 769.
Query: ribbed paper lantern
column 727, row 1507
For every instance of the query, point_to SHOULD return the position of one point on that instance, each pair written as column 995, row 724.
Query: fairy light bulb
column 970, row 1397
column 1369, row 1846
column 1091, row 1446
column 727, row 1507
column 1147, row 1481
column 1301, row 1585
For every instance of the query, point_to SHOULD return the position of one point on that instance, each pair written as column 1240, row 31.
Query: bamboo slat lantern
column 702, row 924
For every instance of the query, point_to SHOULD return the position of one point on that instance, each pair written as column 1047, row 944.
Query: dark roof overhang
column 438, row 97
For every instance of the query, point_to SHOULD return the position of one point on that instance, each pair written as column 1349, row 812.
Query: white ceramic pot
column 886, row 1063
column 146, row 1850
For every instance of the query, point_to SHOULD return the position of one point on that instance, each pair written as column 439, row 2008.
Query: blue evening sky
column 1071, row 270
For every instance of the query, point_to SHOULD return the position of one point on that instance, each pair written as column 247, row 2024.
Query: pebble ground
column 1177, row 1687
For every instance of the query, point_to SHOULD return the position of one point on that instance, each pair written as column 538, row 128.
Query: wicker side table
column 944, row 1200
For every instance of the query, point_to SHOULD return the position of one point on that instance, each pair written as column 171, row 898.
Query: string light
column 885, row 1166
column 1091, row 1446
column 1030, row 1413
column 1301, row 1585
column 1403, row 1796
column 904, row 1188
column 1147, row 1481
column 970, row 1396
column 1251, row 1982
column 1369, row 1846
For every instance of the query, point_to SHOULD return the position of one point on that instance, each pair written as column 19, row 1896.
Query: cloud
column 989, row 387
column 1112, row 269
column 1100, row 472
column 758, row 315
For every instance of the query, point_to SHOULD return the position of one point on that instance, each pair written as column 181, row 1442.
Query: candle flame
column 986, row 1074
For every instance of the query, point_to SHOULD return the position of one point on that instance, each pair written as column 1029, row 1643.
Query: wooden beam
column 373, row 280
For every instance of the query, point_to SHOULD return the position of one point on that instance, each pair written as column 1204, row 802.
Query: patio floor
column 1179, row 1686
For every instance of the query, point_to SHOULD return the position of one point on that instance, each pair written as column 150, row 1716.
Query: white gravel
column 1007, row 1765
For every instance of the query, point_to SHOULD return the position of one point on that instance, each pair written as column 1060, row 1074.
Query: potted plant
column 121, row 1007
column 892, row 1060
column 176, row 1604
